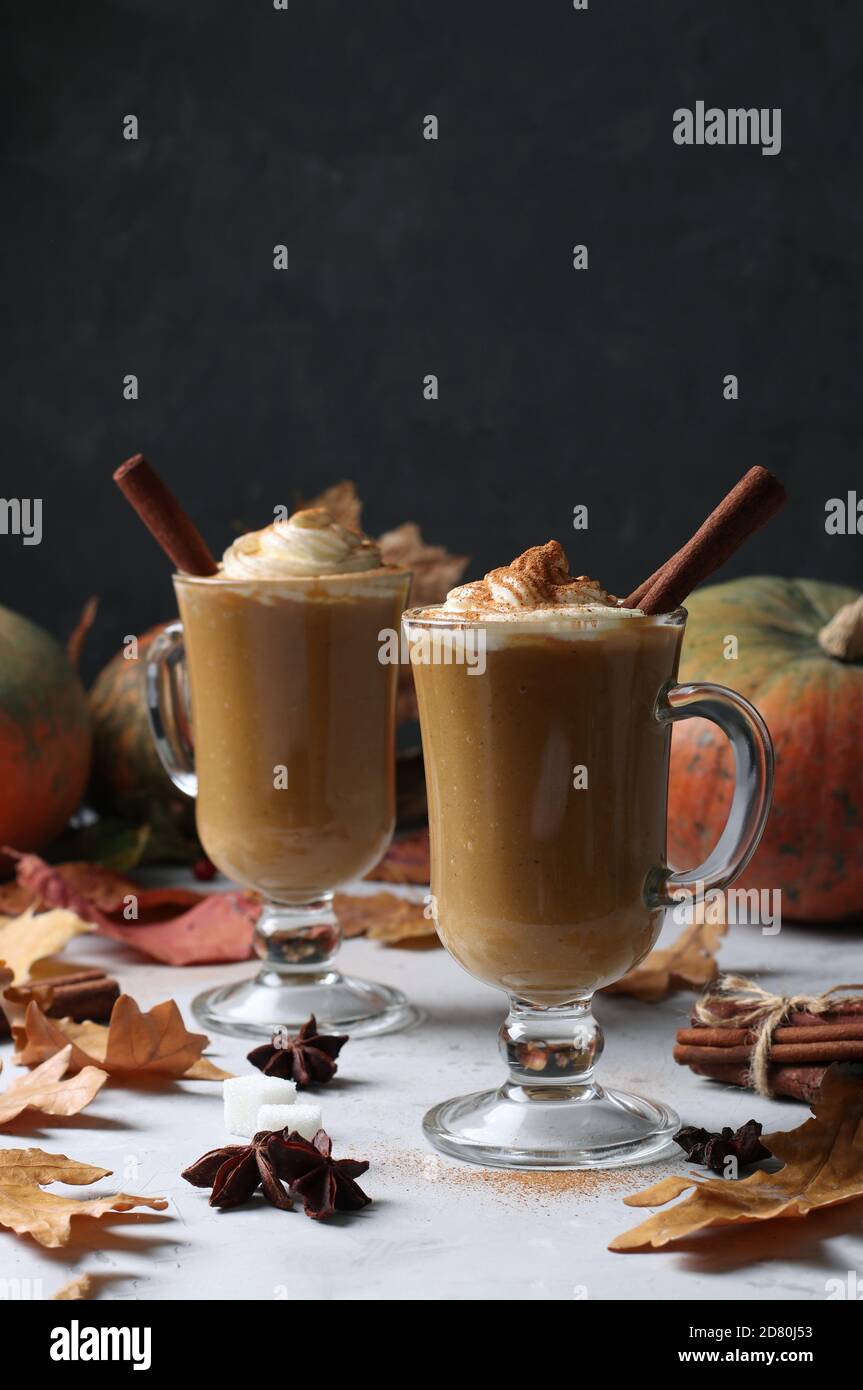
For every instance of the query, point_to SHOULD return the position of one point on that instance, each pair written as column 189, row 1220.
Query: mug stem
column 551, row 1047
column 298, row 938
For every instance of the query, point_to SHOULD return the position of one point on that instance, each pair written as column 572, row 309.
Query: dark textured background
column 408, row 257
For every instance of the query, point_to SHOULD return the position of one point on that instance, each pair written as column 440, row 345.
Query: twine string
column 759, row 1010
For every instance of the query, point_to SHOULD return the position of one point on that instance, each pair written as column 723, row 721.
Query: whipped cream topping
column 537, row 583
column 308, row 544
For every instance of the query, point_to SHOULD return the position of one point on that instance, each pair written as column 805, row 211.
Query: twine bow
column 762, row 1011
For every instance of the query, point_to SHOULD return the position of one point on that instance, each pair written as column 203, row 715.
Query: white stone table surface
column 437, row 1229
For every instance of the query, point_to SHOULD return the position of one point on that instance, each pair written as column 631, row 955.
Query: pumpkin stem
column 76, row 640
column 842, row 637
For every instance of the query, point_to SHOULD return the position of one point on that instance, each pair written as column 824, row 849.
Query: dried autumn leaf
column 79, row 1287
column 27, row 1210
column 342, row 503
column 32, row 936
column 406, row 860
column 15, row 898
column 385, row 917
column 177, row 926
column 156, row 1043
column 434, row 570
column 690, row 962
column 219, row 929
column 101, row 887
column 823, row 1161
column 44, row 1090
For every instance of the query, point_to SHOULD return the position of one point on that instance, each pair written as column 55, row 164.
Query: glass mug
column 547, row 776
column 269, row 705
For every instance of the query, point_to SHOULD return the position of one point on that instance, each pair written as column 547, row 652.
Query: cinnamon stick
column 163, row 516
column 83, row 995
column 846, row 1011
column 802, row 1054
column 737, row 1037
column 796, row 1083
column 747, row 507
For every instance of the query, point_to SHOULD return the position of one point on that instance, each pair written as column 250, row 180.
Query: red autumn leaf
column 218, row 929
column 103, row 888
column 177, row 926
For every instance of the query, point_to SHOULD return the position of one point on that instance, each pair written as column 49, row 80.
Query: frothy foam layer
column 308, row 545
column 536, row 585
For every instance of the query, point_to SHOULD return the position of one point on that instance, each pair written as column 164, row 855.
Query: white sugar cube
column 299, row 1119
column 244, row 1096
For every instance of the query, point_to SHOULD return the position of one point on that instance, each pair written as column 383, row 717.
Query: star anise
column 309, row 1058
column 235, row 1172
column 322, row 1183
column 711, row 1150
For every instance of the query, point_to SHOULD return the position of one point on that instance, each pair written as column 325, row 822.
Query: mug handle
column 169, row 707
column 753, row 786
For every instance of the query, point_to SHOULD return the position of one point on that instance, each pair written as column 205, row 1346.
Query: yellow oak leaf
column 823, row 1167
column 689, row 962
column 154, row 1043
column 79, row 1287
column 27, row 1209
column 43, row 1089
column 33, row 935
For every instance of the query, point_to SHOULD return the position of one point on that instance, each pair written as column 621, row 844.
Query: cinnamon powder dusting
column 530, row 1187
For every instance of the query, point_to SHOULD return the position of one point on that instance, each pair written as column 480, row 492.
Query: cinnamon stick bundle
column 802, row 1047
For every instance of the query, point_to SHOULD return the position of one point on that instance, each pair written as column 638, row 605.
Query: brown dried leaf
column 44, row 1090
column 689, row 963
column 406, row 860
column 156, row 1043
column 15, row 898
column 27, row 1210
column 342, row 503
column 32, row 936
column 823, row 1167
column 435, row 571
column 385, row 917
column 79, row 1287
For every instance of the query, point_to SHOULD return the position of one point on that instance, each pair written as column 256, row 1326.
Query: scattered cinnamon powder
column 529, row 1187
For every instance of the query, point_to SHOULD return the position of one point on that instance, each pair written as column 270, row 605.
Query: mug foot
column 552, row 1127
column 256, row 1008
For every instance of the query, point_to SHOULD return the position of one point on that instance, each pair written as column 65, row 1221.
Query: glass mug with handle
column 547, row 775
column 269, row 704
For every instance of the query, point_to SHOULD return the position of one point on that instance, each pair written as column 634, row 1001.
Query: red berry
column 204, row 870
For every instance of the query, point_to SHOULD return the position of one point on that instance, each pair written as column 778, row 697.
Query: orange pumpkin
column 45, row 736
column 794, row 648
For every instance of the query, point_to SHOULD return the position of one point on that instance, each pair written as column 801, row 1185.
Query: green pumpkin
column 45, row 735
